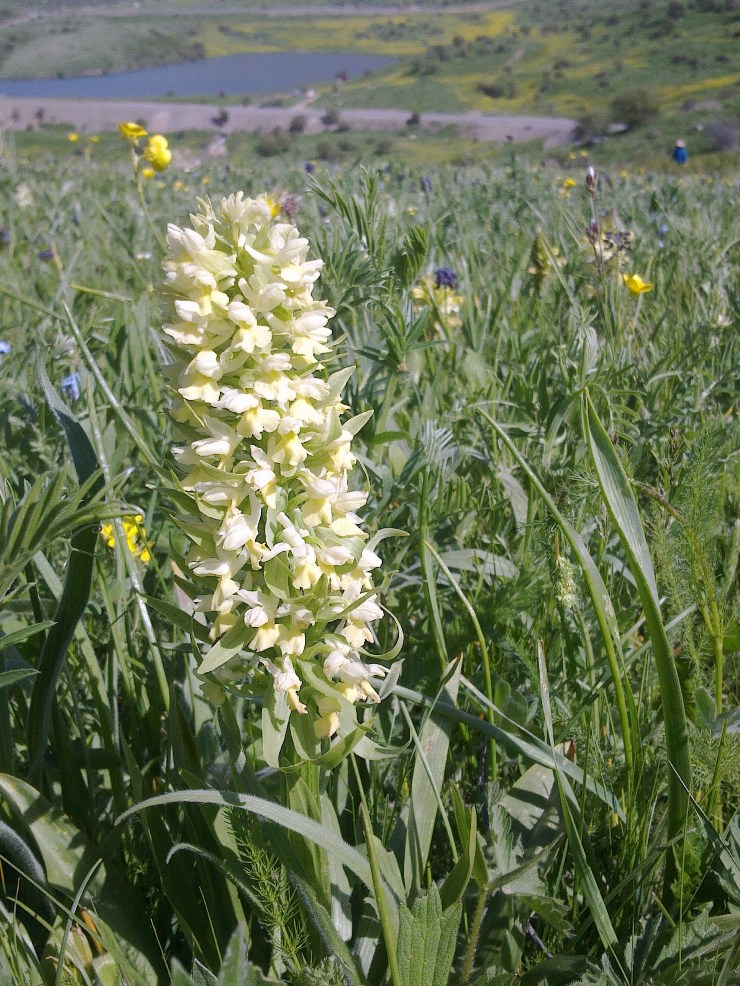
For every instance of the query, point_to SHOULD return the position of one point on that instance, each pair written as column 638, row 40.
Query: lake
column 235, row 75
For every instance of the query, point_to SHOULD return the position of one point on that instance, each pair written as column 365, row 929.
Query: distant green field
column 676, row 60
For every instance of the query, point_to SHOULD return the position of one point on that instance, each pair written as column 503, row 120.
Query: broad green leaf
column 412, row 837
column 426, row 940
column 341, row 889
column 224, row 649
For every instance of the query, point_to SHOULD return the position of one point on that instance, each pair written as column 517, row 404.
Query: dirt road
column 91, row 115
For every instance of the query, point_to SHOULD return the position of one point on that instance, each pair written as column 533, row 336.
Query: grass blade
column 622, row 506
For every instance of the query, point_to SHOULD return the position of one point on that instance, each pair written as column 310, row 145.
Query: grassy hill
column 664, row 67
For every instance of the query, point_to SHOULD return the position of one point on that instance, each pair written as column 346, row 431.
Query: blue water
column 244, row 74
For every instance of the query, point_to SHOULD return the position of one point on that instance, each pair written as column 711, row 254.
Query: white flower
column 276, row 539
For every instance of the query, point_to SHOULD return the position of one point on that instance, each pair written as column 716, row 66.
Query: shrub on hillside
column 330, row 118
column 723, row 136
column 634, row 107
column 494, row 90
column 272, row 144
column 297, row 124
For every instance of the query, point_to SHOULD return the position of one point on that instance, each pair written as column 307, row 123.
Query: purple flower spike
column 71, row 387
column 445, row 277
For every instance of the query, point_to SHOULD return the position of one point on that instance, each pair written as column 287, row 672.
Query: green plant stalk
column 714, row 801
column 385, row 921
column 478, row 914
column 718, row 656
column 390, row 391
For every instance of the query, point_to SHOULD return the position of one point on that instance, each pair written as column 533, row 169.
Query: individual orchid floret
column 278, row 561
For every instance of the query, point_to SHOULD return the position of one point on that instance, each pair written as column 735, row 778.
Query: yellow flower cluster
column 278, row 559
column 156, row 153
column 135, row 535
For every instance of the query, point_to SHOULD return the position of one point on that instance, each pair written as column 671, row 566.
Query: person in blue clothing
column 680, row 155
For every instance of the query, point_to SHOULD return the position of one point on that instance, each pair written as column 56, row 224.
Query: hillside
column 669, row 64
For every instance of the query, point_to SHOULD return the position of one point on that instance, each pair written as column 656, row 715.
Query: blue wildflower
column 309, row 167
column 47, row 254
column 663, row 229
column 71, row 387
column 4, row 349
column 4, row 236
column 426, row 184
column 445, row 277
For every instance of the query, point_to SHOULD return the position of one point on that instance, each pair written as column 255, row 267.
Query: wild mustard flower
column 157, row 152
column 132, row 131
column 147, row 172
column 134, row 534
column 636, row 285
column 73, row 138
column 278, row 560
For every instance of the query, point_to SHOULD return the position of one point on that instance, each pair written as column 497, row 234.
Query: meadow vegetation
column 547, row 792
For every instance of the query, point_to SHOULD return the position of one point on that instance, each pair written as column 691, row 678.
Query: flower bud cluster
column 278, row 559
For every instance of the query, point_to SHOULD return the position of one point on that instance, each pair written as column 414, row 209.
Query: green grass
column 548, row 448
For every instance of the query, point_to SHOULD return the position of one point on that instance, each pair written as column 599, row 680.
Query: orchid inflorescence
column 278, row 561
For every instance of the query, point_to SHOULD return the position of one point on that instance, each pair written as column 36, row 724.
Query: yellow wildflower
column 636, row 284
column 134, row 534
column 94, row 138
column 274, row 206
column 570, row 183
column 131, row 131
column 157, row 152
column 73, row 138
column 147, row 172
